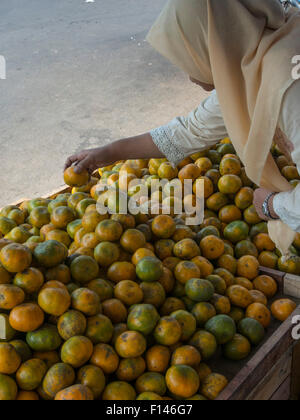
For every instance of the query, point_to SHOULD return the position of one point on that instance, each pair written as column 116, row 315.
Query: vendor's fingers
column 71, row 159
column 82, row 165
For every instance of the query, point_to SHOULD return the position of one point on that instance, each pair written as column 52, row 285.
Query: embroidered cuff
column 162, row 137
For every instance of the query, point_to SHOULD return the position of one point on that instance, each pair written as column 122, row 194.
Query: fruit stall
column 145, row 307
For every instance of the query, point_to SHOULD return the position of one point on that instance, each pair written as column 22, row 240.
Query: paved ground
column 78, row 75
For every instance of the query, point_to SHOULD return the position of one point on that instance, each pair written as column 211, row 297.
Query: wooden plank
column 261, row 363
column 291, row 286
column 274, row 379
column 295, row 379
column 283, row 392
column 52, row 194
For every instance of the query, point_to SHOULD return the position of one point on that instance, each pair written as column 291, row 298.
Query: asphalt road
column 78, row 75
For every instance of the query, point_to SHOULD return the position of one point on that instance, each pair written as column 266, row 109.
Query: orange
column 248, row 266
column 190, row 171
column 27, row 396
column 105, row 357
column 151, row 382
column 91, row 219
column 186, row 355
column 11, row 296
column 89, row 240
column 205, row 266
column 204, row 164
column 263, row 242
column 213, row 385
column 140, row 254
column 186, row 249
column 167, row 171
column 182, row 381
column 115, row 310
column 268, row 259
column 30, row 280
column 39, row 217
column 167, row 280
column 208, row 185
column 163, row 226
column 259, row 312
column 230, row 165
column 8, row 388
column 170, row 305
column 62, row 216
column 229, row 184
column 251, row 217
column 86, row 301
column 58, row 377
column 212, row 247
column 119, row 271
column 15, row 258
column 168, row 331
column 229, row 214
column 77, row 351
column 267, row 285
column 157, row 358
column 164, row 248
column 5, row 276
column 259, row 297
column 244, row 198
column 84, row 269
column 130, row 344
column 71, row 324
column 60, row 273
column 119, row 391
column 109, row 230
column 281, row 309
column 54, row 301
column 75, row 393
column 132, row 240
column 74, row 179
column 93, row 378
column 186, row 270
column 9, row 359
column 26, row 317
column 130, row 369
column 239, row 296
column 30, row 374
column 128, row 292
column 50, row 253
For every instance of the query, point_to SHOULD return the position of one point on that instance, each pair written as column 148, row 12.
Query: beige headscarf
column 245, row 49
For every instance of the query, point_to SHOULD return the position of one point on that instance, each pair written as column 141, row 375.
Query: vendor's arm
column 182, row 137
column 287, row 205
column 201, row 129
column 139, row 147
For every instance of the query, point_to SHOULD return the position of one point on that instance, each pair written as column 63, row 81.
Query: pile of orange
column 126, row 307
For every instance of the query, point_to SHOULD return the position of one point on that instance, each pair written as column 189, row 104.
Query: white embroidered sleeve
column 201, row 129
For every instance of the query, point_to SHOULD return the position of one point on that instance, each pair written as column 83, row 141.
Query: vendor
column 243, row 51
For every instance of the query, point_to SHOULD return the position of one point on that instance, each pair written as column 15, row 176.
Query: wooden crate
column 273, row 372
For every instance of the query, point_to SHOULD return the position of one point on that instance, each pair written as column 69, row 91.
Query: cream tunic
column 204, row 127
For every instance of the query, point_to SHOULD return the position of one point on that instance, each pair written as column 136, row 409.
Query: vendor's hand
column 260, row 196
column 89, row 159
